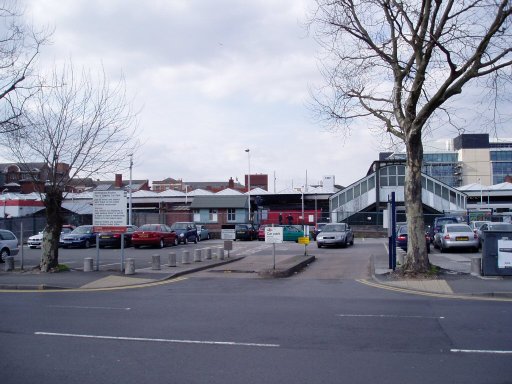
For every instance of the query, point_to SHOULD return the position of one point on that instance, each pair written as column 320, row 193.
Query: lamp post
column 249, row 182
column 5, row 202
column 130, row 193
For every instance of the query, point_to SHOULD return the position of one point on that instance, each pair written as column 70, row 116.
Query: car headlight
column 182, row 234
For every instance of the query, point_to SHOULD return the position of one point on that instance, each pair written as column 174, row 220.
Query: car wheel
column 185, row 241
column 352, row 241
column 161, row 245
column 87, row 244
column 3, row 254
column 318, row 245
column 176, row 242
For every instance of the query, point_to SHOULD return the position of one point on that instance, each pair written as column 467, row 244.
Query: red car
column 261, row 232
column 157, row 235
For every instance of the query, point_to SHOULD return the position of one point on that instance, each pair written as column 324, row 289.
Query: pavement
column 454, row 280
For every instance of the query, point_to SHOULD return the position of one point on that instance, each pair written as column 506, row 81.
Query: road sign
column 273, row 235
column 109, row 208
column 303, row 240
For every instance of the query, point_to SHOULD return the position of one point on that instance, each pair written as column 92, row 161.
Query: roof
column 479, row 187
column 217, row 201
column 228, row 192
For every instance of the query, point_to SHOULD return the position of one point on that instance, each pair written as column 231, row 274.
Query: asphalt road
column 320, row 326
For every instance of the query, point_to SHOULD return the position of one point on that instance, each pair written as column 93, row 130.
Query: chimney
column 119, row 180
column 231, row 183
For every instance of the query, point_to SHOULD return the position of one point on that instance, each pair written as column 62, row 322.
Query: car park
column 156, row 235
column 186, row 231
column 9, row 245
column 245, row 232
column 438, row 222
column 82, row 236
column 202, row 232
column 456, row 236
column 336, row 234
column 491, row 227
column 113, row 238
column 402, row 238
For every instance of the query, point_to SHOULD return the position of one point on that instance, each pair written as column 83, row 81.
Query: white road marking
column 496, row 352
column 393, row 316
column 82, row 307
column 207, row 342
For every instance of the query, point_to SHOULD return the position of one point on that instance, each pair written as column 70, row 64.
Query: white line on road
column 480, row 351
column 208, row 342
column 393, row 316
column 82, row 307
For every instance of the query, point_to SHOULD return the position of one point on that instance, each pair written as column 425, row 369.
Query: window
column 231, row 214
column 212, row 215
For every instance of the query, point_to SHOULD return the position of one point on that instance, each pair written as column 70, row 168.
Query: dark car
column 401, row 238
column 491, row 227
column 113, row 238
column 337, row 234
column 438, row 223
column 186, row 231
column 245, row 232
column 156, row 235
column 82, row 236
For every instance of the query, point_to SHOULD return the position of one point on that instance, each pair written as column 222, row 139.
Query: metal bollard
column 129, row 267
column 220, row 253
column 9, row 263
column 172, row 259
column 185, row 257
column 197, row 256
column 208, row 252
column 476, row 264
column 88, row 264
column 155, row 262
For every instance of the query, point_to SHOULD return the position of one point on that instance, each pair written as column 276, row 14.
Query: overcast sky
column 212, row 78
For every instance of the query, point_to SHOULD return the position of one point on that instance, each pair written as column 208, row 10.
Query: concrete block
column 172, row 259
column 129, row 268
column 155, row 262
column 88, row 264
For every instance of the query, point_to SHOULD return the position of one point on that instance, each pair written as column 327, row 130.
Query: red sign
column 110, row 228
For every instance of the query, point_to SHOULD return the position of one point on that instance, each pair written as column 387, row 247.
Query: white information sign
column 504, row 253
column 109, row 208
column 273, row 235
column 227, row 234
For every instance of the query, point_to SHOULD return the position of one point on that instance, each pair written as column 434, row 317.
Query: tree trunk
column 51, row 233
column 417, row 256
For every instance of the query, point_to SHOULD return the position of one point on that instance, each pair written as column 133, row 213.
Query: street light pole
column 130, row 193
column 249, row 182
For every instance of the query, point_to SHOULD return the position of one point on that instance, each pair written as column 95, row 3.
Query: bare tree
column 19, row 47
column 398, row 63
column 78, row 126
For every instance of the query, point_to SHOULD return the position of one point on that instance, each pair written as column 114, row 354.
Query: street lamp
column 5, row 201
column 249, row 182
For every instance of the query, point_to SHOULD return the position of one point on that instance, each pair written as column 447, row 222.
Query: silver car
column 457, row 236
column 339, row 234
column 8, row 244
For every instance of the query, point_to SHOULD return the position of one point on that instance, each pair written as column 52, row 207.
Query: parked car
column 293, row 232
column 337, row 234
column 82, row 236
column 8, row 244
column 438, row 222
column 458, row 236
column 245, row 232
column 261, row 231
column 66, row 229
column 157, row 235
column 113, row 238
column 35, row 241
column 475, row 225
column 202, row 233
column 491, row 227
column 318, row 229
column 186, row 231
column 401, row 238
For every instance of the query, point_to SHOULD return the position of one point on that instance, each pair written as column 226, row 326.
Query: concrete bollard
column 9, row 263
column 129, row 267
column 185, row 257
column 208, row 253
column 197, row 256
column 400, row 258
column 88, row 264
column 220, row 253
column 172, row 259
column 155, row 262
column 476, row 266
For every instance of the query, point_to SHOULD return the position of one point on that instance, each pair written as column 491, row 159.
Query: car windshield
column 81, row 230
column 458, row 228
column 334, row 228
column 150, row 227
column 180, row 226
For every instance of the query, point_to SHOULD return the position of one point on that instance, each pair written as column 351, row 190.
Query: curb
column 287, row 267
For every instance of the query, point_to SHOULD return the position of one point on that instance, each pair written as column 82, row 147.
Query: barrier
column 185, row 257
column 88, row 264
column 220, row 253
column 129, row 268
column 197, row 256
column 476, row 266
column 172, row 259
column 208, row 253
column 155, row 262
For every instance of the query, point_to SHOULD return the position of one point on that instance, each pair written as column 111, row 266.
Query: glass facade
column 501, row 165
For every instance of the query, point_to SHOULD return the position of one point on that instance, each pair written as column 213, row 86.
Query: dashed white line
column 83, row 307
column 488, row 351
column 392, row 316
column 204, row 342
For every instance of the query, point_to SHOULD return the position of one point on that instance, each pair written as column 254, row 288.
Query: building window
column 197, row 216
column 212, row 215
column 231, row 214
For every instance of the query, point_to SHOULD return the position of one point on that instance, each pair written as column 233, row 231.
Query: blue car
column 82, row 237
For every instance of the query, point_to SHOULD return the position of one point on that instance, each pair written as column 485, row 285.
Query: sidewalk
column 455, row 278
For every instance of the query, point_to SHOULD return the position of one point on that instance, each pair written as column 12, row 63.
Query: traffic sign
column 273, row 235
